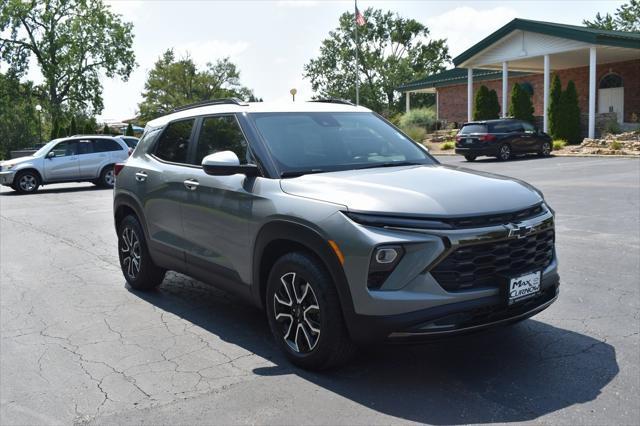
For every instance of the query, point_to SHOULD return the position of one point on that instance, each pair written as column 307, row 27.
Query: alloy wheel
column 130, row 251
column 109, row 178
column 296, row 309
column 546, row 149
column 505, row 152
column 28, row 183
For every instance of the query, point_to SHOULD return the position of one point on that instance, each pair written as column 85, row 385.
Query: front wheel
column 136, row 263
column 504, row 153
column 305, row 315
column 545, row 149
column 26, row 182
column 470, row 158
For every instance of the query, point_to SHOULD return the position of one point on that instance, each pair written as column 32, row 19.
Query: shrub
column 129, row 131
column 521, row 106
column 569, row 115
column 616, row 145
column 106, row 130
column 447, row 146
column 612, row 127
column 420, row 117
column 73, row 127
column 485, row 104
column 559, row 144
column 416, row 133
column 554, row 105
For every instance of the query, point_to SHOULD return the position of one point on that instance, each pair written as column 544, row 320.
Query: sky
column 270, row 41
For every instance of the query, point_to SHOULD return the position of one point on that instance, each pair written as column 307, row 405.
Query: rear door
column 516, row 137
column 159, row 185
column 530, row 137
column 64, row 163
column 88, row 159
column 217, row 210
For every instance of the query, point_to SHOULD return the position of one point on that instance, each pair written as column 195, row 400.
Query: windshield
column 42, row 151
column 313, row 142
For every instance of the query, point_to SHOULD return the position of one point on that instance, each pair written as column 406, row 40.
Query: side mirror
column 51, row 154
column 226, row 163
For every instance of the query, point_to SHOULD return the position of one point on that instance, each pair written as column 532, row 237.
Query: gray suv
column 73, row 159
column 334, row 222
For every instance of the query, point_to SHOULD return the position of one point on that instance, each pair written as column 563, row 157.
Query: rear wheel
column 26, row 182
column 504, row 152
column 470, row 158
column 305, row 315
column 138, row 268
column 107, row 177
column 545, row 149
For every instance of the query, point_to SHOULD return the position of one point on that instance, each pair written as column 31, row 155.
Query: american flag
column 359, row 18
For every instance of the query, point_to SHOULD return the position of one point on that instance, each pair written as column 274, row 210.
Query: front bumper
column 6, row 177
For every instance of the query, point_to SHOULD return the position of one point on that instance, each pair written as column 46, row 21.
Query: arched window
column 610, row 81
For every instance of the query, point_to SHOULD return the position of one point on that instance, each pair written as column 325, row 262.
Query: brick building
column 604, row 65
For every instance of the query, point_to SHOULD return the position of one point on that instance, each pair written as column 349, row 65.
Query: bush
column 420, row 117
column 612, row 127
column 73, row 127
column 485, row 104
column 559, row 144
column 616, row 145
column 569, row 115
column 554, row 105
column 106, row 130
column 416, row 133
column 521, row 106
column 447, row 146
column 129, row 131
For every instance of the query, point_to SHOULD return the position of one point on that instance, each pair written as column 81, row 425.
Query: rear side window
column 173, row 144
column 506, row 127
column 85, row 147
column 221, row 134
column 473, row 128
column 106, row 145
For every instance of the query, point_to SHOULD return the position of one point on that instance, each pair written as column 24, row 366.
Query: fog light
column 386, row 255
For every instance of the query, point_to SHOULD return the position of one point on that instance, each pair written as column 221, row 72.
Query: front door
column 61, row 163
column 612, row 100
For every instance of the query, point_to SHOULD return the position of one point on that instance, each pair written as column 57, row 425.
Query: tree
column 87, row 129
column 626, row 18
column 73, row 127
column 392, row 50
column 569, row 115
column 521, row 106
column 485, row 104
column 62, row 132
column 73, row 43
column 18, row 117
column 106, row 130
column 176, row 82
column 129, row 131
column 553, row 114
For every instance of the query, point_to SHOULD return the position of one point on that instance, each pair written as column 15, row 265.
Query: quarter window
column 221, row 134
column 106, row 145
column 173, row 144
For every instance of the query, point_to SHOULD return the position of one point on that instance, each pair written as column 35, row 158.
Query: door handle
column 191, row 184
column 141, row 176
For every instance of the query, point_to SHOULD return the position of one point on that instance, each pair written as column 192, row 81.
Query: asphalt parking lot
column 77, row 346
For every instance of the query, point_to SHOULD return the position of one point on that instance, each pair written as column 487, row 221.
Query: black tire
column 130, row 236
column 107, row 177
column 470, row 158
column 545, row 149
column 26, row 182
column 504, row 152
column 331, row 345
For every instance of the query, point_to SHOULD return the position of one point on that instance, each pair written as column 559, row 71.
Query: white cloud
column 465, row 26
column 209, row 51
column 297, row 3
column 127, row 8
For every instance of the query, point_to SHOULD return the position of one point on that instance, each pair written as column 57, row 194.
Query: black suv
column 502, row 139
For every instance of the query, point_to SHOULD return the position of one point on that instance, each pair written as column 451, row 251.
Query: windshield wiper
column 297, row 173
column 392, row 164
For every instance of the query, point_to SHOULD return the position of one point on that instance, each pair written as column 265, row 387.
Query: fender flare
column 126, row 200
column 315, row 243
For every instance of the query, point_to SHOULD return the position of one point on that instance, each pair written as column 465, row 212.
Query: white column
column 545, row 99
column 407, row 101
column 437, row 107
column 505, row 89
column 592, row 92
column 469, row 94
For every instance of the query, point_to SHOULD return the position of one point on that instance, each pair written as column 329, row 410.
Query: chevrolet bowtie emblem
column 519, row 231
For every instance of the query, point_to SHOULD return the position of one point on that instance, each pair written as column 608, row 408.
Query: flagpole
column 355, row 15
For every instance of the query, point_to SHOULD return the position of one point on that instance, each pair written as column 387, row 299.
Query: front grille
column 490, row 264
column 496, row 219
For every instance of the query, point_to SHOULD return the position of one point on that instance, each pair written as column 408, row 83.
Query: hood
column 416, row 190
column 18, row 160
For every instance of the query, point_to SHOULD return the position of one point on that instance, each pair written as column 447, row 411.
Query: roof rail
column 222, row 101
column 334, row 101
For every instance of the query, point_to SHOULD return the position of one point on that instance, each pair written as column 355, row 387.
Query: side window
column 106, row 145
column 515, row 127
column 65, row 149
column 221, row 134
column 85, row 147
column 528, row 127
column 173, row 144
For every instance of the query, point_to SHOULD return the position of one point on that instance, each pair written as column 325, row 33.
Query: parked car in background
column 342, row 228
column 72, row 159
column 131, row 141
column 502, row 138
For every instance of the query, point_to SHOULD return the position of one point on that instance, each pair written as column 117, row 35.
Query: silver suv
column 72, row 159
column 334, row 222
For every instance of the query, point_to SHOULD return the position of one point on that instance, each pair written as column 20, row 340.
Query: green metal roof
column 571, row 32
column 455, row 76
